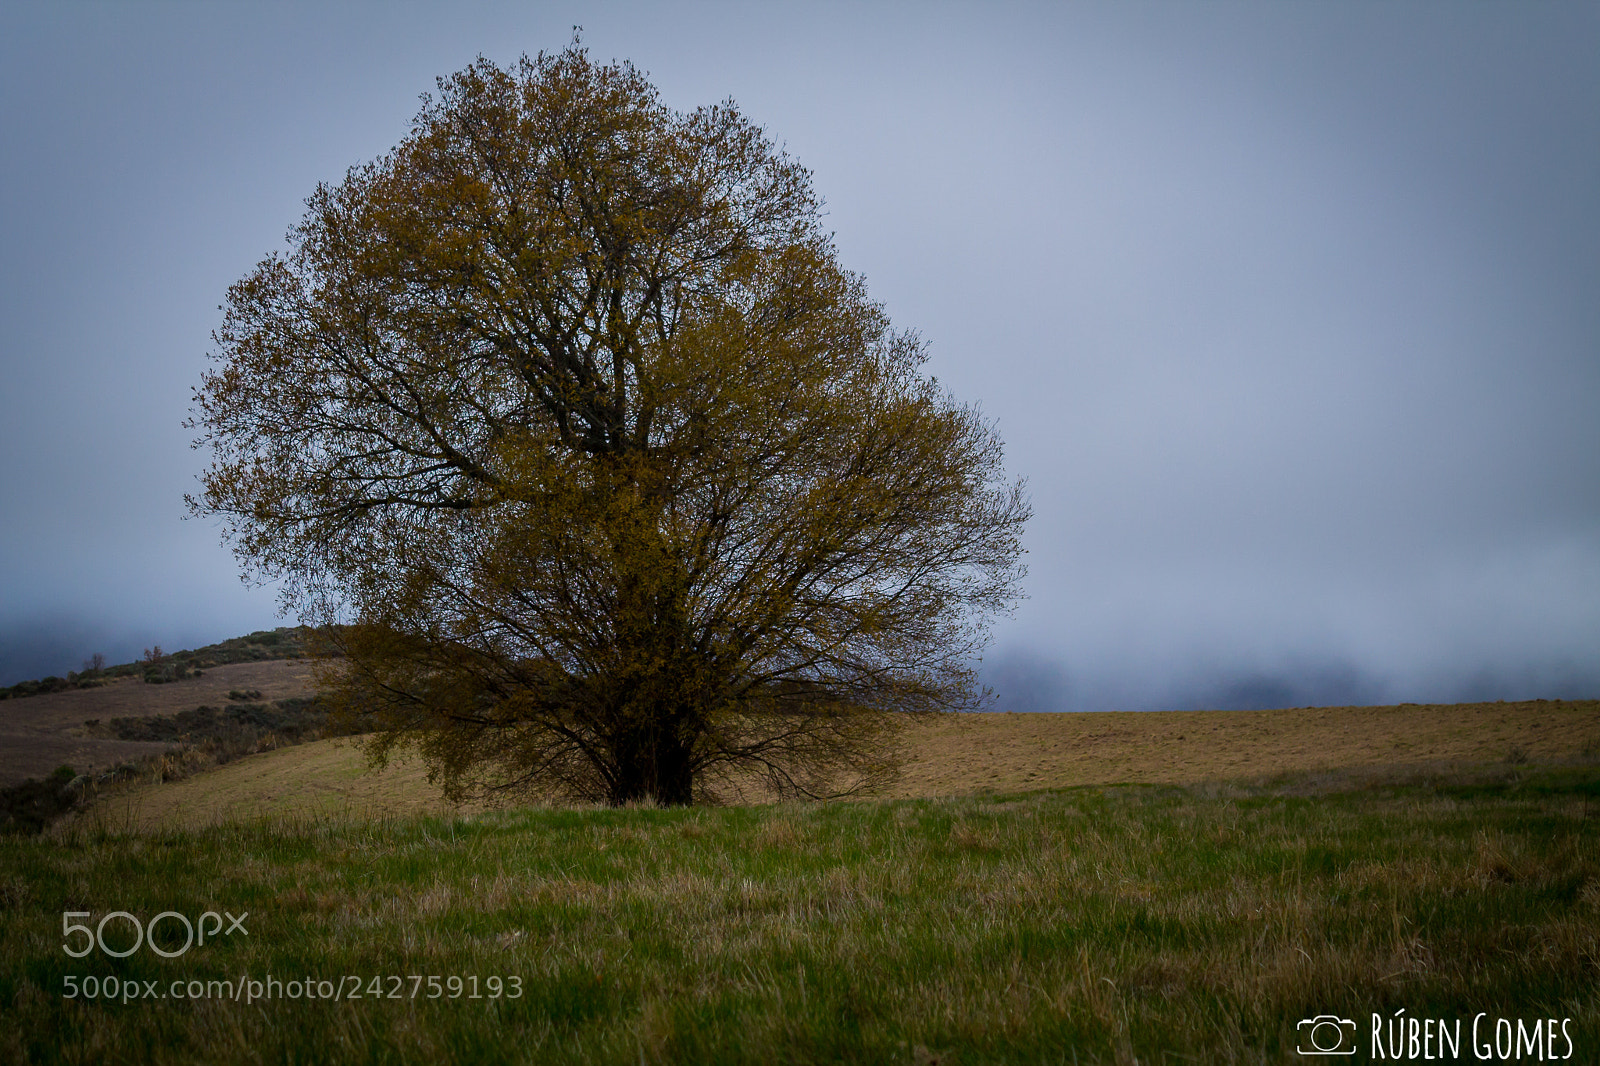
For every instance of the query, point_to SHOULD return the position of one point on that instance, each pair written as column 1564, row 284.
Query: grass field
column 1149, row 924
column 1134, row 888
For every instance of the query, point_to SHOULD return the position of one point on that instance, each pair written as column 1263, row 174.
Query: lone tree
column 615, row 479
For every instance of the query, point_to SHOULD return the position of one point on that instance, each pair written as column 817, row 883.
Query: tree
column 616, row 479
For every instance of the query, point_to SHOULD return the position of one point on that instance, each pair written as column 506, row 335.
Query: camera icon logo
column 1326, row 1034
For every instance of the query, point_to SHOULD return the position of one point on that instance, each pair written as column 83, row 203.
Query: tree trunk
column 653, row 764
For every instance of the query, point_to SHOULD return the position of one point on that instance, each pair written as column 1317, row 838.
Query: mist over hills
column 1023, row 679
column 56, row 649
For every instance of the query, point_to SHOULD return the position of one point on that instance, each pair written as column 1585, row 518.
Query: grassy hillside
column 127, row 728
column 1124, row 924
column 158, row 667
column 971, row 754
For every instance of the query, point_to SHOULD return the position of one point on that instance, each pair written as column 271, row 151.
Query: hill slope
column 972, row 754
column 41, row 732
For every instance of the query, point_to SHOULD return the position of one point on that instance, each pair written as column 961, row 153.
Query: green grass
column 1111, row 925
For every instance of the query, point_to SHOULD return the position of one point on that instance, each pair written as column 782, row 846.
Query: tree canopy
column 616, row 480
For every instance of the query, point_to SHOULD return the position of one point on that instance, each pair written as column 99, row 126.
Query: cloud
column 42, row 646
column 1024, row 680
column 1299, row 364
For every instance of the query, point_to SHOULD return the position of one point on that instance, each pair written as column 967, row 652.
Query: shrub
column 29, row 807
column 223, row 734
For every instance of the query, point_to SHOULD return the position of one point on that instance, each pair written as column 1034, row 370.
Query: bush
column 41, row 687
column 223, row 734
column 29, row 807
column 171, row 670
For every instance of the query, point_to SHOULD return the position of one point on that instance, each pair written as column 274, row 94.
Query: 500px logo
column 145, row 934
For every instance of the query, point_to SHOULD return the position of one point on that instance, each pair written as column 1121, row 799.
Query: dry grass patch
column 1321, row 750
column 1019, row 752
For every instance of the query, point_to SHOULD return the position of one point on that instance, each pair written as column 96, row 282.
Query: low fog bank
column 1028, row 680
column 1500, row 604
column 37, row 647
column 42, row 648
column 1022, row 678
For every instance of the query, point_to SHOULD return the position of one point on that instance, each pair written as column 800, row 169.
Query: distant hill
column 285, row 642
column 124, row 729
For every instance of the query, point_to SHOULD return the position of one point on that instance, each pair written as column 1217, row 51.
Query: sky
column 1288, row 313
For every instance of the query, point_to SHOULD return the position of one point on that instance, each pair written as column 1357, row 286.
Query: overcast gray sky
column 1289, row 313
